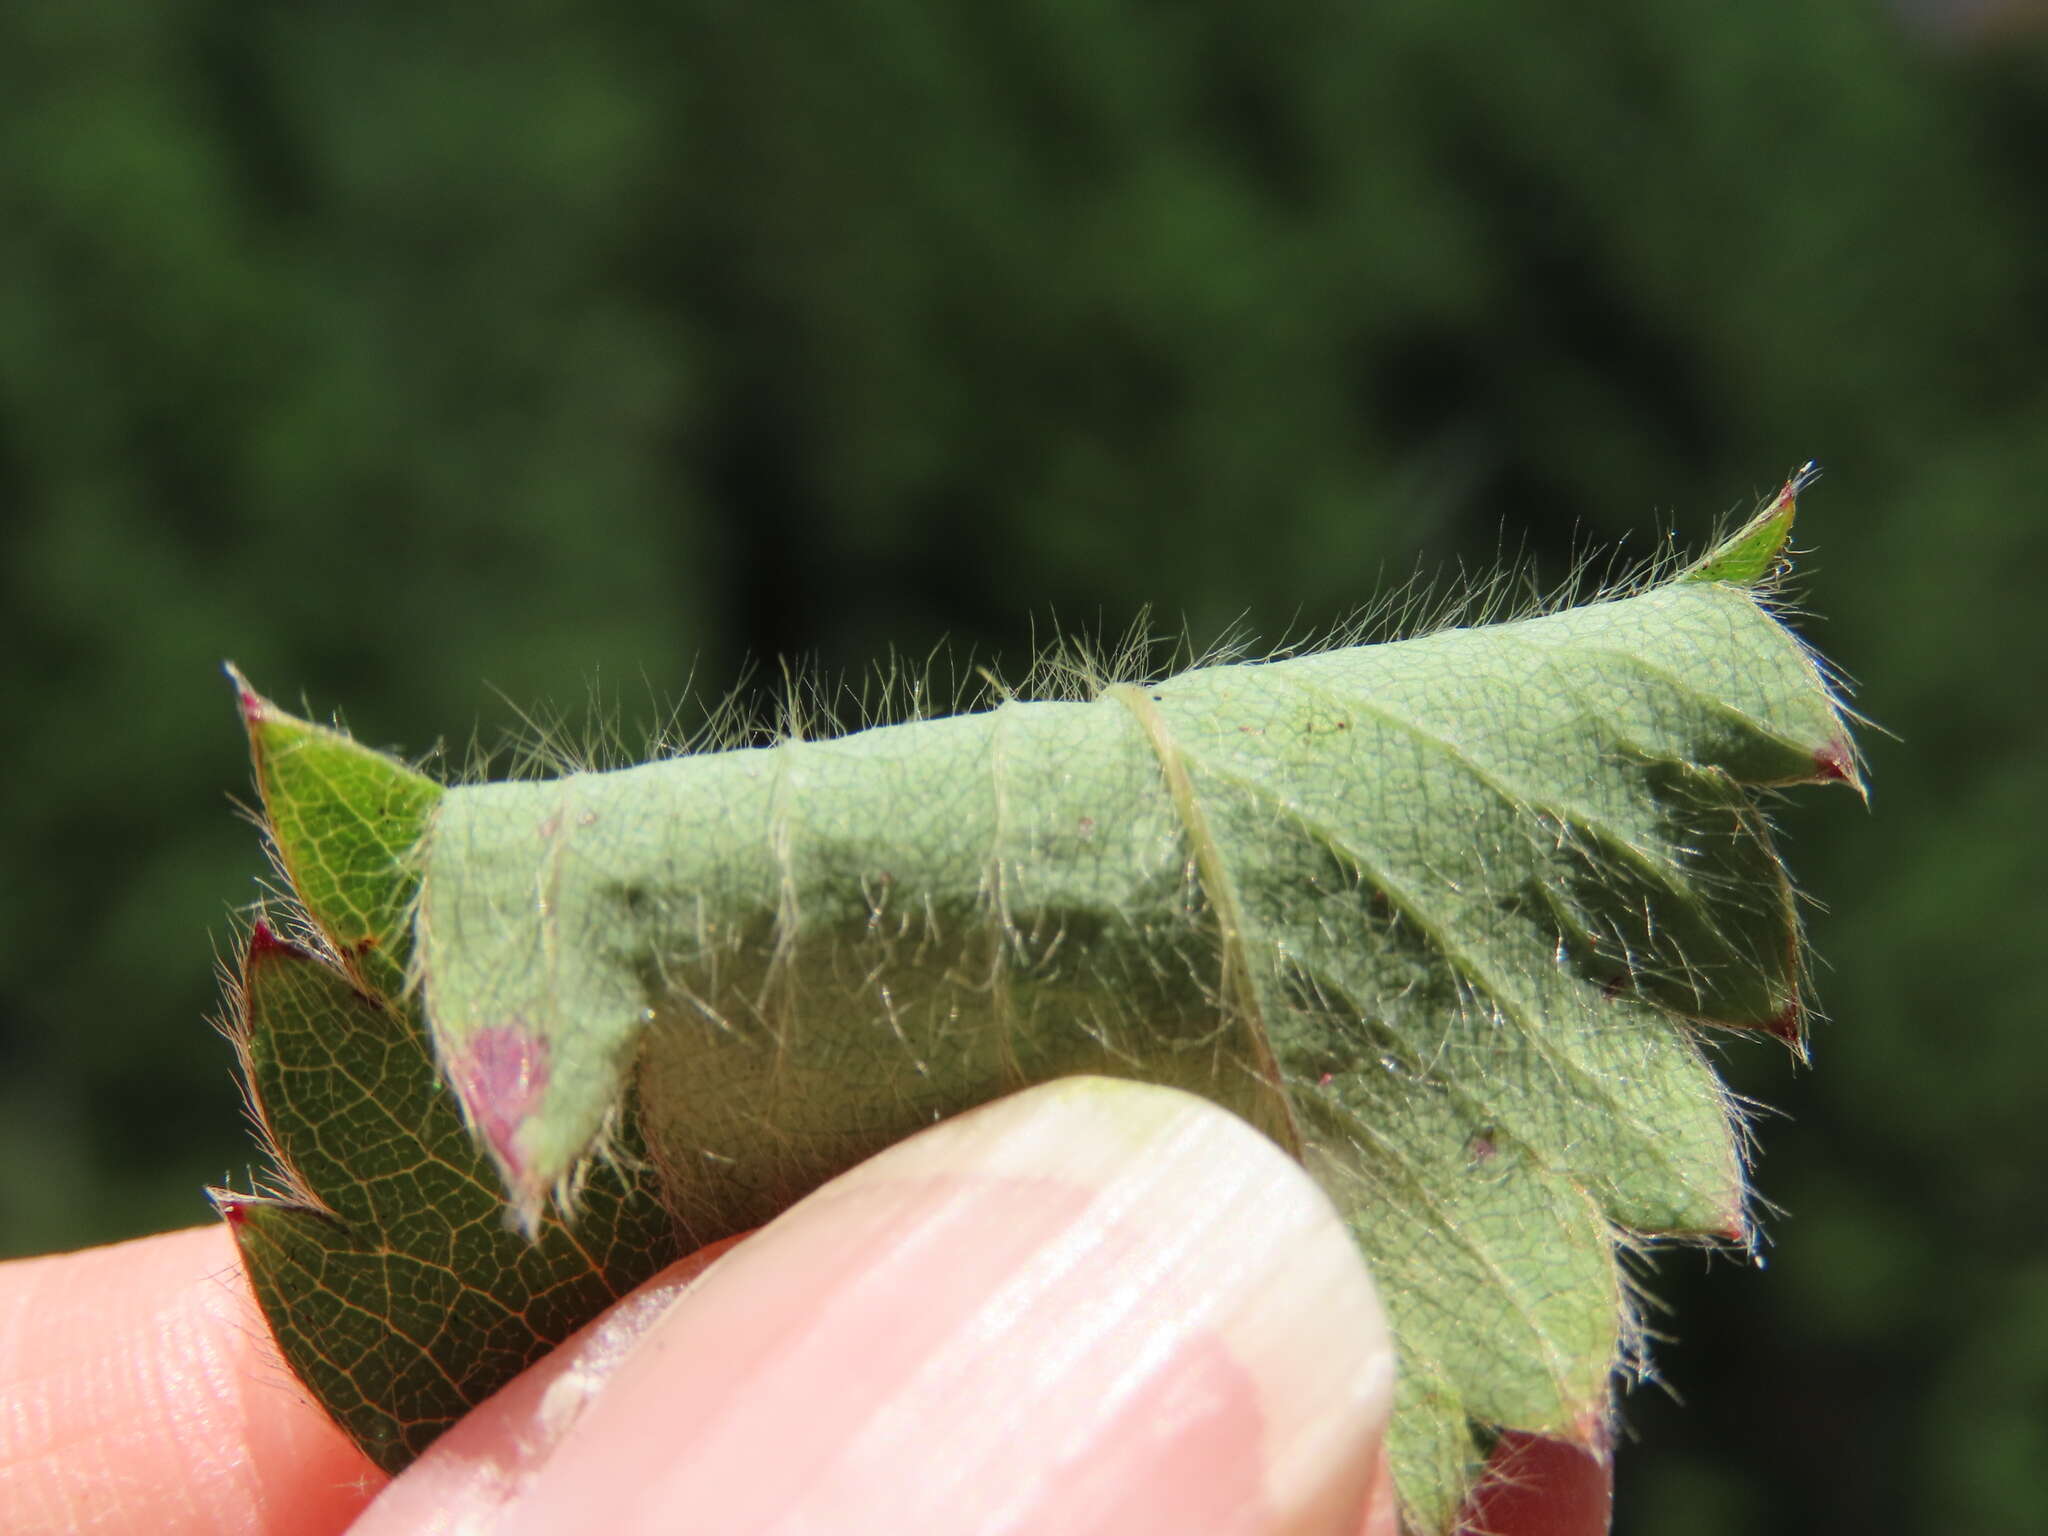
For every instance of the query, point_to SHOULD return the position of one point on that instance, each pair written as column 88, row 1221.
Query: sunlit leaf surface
column 1444, row 917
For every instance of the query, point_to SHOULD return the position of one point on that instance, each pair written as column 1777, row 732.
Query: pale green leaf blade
column 1462, row 897
column 1573, row 783
column 834, row 955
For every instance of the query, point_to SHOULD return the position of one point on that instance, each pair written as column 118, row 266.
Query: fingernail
column 1092, row 1306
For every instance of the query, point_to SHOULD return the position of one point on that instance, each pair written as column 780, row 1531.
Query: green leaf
column 1443, row 917
column 1753, row 553
column 384, row 1262
column 343, row 823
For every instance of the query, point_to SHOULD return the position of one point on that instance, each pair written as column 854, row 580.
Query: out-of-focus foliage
column 392, row 354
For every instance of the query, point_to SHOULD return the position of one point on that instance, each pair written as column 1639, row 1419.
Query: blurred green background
column 422, row 362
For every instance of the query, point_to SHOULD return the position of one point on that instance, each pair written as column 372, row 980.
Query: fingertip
column 144, row 1394
column 1092, row 1306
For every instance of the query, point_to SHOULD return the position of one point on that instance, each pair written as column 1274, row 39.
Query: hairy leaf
column 1443, row 917
column 384, row 1263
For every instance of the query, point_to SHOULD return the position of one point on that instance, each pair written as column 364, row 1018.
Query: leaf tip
column 500, row 1075
column 264, row 942
column 1835, row 763
column 233, row 1208
column 1789, row 1025
column 1754, row 552
column 256, row 710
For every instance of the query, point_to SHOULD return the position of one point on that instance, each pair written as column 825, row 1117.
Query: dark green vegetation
column 387, row 356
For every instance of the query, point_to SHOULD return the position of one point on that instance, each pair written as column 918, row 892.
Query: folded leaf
column 1443, row 917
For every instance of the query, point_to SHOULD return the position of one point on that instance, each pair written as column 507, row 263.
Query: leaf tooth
column 265, row 942
column 299, row 1263
column 343, row 821
column 1754, row 552
column 384, row 1266
column 238, row 1209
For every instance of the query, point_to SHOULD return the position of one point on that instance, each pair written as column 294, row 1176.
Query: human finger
column 140, row 1392
column 1093, row 1306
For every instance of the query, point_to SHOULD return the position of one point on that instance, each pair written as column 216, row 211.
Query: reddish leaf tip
column 1788, row 1025
column 265, row 943
column 1834, row 764
column 255, row 708
column 231, row 1207
column 1797, row 482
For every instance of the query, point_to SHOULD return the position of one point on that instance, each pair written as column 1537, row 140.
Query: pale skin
column 1086, row 1308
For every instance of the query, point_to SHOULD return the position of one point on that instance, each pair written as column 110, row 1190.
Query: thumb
column 1093, row 1306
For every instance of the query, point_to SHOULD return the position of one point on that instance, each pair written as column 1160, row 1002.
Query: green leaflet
column 383, row 1263
column 343, row 823
column 1440, row 916
column 1752, row 554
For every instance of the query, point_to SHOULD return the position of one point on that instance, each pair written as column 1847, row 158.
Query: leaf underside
column 1442, row 917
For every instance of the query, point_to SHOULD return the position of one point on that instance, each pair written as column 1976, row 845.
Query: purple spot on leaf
column 500, row 1077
